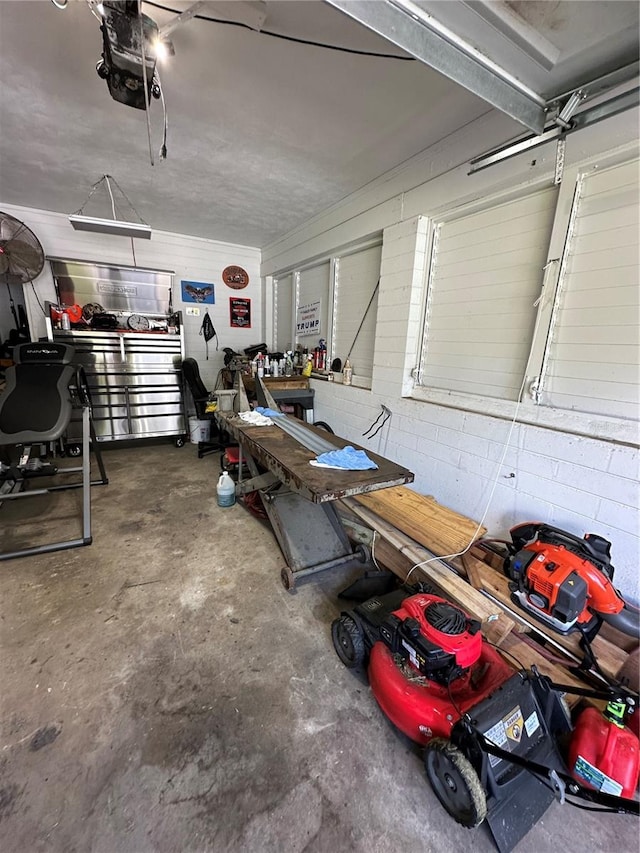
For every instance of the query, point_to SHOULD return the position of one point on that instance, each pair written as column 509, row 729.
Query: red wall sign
column 240, row 312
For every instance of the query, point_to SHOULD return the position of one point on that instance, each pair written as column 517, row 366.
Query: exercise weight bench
column 43, row 388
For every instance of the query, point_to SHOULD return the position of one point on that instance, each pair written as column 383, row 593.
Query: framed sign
column 235, row 277
column 239, row 313
column 198, row 291
column 308, row 319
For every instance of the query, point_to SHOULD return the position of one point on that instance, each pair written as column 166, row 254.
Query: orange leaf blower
column 566, row 581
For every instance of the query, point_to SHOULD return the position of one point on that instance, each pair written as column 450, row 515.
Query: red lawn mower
column 490, row 733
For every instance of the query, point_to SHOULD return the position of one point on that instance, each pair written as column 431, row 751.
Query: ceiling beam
column 418, row 33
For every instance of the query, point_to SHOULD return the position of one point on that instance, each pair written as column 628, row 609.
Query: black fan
column 21, row 260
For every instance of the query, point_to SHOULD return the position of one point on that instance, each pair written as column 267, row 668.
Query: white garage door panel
column 617, row 316
column 616, row 392
column 485, row 275
column 284, row 313
column 610, row 409
column 491, row 306
column 487, row 285
column 595, row 280
column 518, row 210
column 600, row 337
column 450, row 327
column 593, row 362
column 609, row 204
column 593, row 298
column 314, row 286
column 606, row 260
column 357, row 277
column 612, row 238
column 496, row 259
column 621, row 354
column 596, row 224
column 621, row 373
column 488, row 247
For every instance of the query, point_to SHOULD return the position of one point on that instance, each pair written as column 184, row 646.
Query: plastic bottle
column 288, row 365
column 347, row 373
column 308, row 367
column 226, row 490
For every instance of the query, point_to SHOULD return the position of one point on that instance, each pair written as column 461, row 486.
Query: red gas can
column 604, row 755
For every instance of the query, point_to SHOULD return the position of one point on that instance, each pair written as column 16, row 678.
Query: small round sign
column 235, row 277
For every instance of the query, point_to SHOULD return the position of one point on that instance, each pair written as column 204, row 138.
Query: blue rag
column 268, row 413
column 347, row 458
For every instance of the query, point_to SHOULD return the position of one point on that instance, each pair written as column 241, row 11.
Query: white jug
column 226, row 490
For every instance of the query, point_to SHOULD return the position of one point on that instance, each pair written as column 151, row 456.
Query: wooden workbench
column 299, row 498
column 288, row 460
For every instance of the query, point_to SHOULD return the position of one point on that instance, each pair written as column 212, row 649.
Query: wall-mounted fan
column 21, row 260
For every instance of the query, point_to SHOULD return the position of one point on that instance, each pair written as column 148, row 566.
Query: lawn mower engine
column 414, row 641
column 566, row 581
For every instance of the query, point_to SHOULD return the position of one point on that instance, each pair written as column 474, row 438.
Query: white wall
column 549, row 473
column 190, row 258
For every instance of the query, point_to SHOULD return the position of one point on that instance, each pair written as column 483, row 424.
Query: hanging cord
column 35, row 293
column 165, row 120
column 144, row 79
column 505, row 447
column 263, row 32
column 364, row 317
column 386, row 413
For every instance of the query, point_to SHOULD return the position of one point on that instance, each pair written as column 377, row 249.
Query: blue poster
column 199, row 292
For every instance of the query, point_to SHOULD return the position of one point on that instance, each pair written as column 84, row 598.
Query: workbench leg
column 310, row 535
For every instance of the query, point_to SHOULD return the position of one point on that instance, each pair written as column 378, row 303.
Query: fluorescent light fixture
column 115, row 227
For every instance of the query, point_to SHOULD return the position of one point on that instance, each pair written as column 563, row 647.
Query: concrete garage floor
column 162, row 692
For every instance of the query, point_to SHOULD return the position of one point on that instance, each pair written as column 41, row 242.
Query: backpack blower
column 565, row 581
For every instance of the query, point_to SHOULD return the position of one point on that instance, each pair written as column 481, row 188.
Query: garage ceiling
column 265, row 132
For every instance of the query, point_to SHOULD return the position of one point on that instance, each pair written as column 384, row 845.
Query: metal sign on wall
column 308, row 319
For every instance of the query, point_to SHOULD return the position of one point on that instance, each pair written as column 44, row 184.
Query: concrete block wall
column 579, row 484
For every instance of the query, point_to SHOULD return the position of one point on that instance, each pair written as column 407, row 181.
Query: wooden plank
column 495, row 623
column 422, row 518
